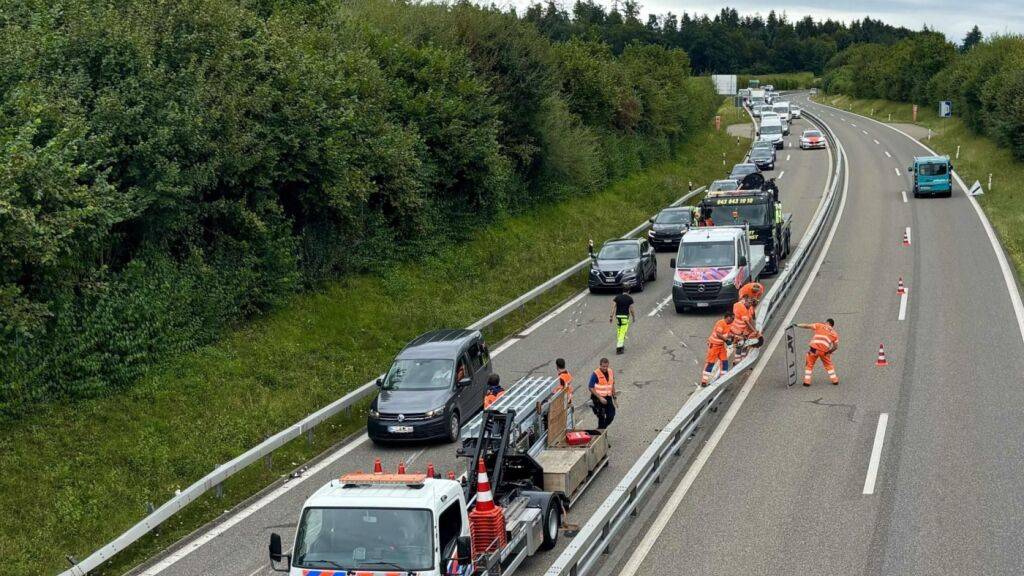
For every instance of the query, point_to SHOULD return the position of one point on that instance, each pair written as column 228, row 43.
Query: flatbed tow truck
column 523, row 476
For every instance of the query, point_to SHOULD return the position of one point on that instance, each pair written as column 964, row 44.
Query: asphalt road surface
column 790, row 488
column 658, row 371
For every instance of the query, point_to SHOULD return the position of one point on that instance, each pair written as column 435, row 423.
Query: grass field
column 76, row 476
column 978, row 158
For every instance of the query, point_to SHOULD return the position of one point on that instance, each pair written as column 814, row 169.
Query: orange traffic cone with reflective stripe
column 401, row 467
column 431, row 473
column 881, row 357
column 901, row 288
column 378, row 468
column 906, row 239
column 484, row 498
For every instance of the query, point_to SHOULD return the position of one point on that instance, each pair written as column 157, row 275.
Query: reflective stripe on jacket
column 742, row 324
column 825, row 337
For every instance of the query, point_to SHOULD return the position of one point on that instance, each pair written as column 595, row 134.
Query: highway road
column 910, row 468
column 658, row 371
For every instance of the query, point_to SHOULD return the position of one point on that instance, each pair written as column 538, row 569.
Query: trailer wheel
column 552, row 522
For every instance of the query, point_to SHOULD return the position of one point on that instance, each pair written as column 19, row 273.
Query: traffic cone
column 378, row 468
column 881, row 357
column 484, row 498
column 401, row 467
column 431, row 473
column 906, row 240
column 901, row 288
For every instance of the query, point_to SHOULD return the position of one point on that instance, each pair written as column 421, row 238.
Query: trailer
column 526, row 467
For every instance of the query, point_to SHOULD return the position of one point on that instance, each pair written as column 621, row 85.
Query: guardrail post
column 268, row 461
column 309, row 437
column 219, row 488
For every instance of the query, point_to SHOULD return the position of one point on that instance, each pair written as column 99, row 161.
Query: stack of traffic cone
column 906, row 239
column 881, row 357
column 377, row 467
column 901, row 288
column 486, row 521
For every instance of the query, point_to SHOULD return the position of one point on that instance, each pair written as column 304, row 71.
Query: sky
column 951, row 17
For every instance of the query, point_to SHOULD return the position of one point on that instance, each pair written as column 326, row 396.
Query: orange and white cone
column 377, row 467
column 901, row 288
column 906, row 240
column 881, row 357
column 484, row 498
column 401, row 467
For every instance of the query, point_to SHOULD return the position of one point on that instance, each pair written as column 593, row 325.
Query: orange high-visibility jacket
column 564, row 383
column 719, row 333
column 825, row 337
column 754, row 290
column 605, row 387
column 743, row 323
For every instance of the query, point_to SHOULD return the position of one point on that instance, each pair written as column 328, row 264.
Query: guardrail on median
column 602, row 529
column 306, row 426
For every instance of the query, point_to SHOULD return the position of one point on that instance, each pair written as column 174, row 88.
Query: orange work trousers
column 826, row 361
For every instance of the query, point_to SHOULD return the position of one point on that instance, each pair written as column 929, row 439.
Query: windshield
column 763, row 144
column 719, row 185
column 753, row 214
column 761, row 153
column 771, row 130
column 365, row 539
column 673, row 217
column 706, row 255
column 812, row 134
column 932, row 169
column 781, row 110
column 743, row 169
column 619, row 252
column 420, row 375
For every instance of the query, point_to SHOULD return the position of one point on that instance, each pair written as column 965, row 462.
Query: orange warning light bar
column 363, row 479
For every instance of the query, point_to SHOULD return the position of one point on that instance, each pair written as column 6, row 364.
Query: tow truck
column 378, row 523
column 755, row 205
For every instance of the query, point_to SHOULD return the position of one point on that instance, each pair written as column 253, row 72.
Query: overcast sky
column 952, row 17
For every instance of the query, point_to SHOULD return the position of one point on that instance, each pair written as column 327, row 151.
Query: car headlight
column 374, row 413
column 594, row 271
column 435, row 412
column 628, row 274
column 650, row 233
column 728, row 283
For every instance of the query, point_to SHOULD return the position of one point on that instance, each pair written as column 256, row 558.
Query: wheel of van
column 552, row 522
column 639, row 287
column 789, row 245
column 454, row 426
column 654, row 272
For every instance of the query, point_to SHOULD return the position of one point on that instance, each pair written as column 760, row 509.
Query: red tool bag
column 577, row 438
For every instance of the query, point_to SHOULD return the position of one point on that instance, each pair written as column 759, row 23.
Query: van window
column 476, row 360
column 461, row 370
column 449, row 525
column 932, row 169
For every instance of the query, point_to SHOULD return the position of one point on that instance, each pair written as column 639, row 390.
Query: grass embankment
column 76, row 476
column 978, row 158
column 788, row 81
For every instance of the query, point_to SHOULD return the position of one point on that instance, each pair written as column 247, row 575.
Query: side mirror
column 651, row 219
column 276, row 555
column 464, row 383
column 464, row 547
column 758, row 132
column 380, row 382
column 672, row 263
column 910, row 168
column 743, row 260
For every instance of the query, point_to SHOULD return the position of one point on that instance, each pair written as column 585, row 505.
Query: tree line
column 171, row 168
column 983, row 78
column 725, row 43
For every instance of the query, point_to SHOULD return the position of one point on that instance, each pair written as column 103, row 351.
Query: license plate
column 400, row 429
column 702, row 304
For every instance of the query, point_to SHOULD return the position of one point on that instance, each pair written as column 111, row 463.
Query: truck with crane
column 526, row 468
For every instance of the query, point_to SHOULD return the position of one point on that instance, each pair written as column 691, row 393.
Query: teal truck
column 932, row 176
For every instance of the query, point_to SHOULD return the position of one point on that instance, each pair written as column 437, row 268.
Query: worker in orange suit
column 752, row 290
column 824, row 342
column 721, row 336
column 742, row 326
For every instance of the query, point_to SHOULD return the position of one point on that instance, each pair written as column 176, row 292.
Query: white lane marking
column 1004, row 264
column 505, row 345
column 554, row 313
column 411, row 459
column 876, row 454
column 251, row 509
column 787, row 157
column 661, row 521
column 258, row 570
column 660, row 305
column 887, row 154
column 904, row 193
column 865, row 132
column 908, row 235
column 897, row 171
column 781, row 174
column 878, row 143
column 903, row 305
column 852, row 124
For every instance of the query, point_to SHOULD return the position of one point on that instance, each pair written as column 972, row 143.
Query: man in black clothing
column 623, row 313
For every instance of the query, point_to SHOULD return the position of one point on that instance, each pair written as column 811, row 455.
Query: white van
column 784, row 112
column 772, row 130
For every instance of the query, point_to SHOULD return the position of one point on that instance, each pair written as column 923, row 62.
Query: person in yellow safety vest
column 721, row 336
column 623, row 314
column 823, row 343
column 602, row 393
column 742, row 326
column 494, row 390
column 564, row 379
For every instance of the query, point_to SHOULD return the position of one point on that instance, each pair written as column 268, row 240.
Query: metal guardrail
column 305, row 426
column 600, row 532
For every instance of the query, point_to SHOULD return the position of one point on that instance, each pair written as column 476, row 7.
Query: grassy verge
column 75, row 476
column 978, row 158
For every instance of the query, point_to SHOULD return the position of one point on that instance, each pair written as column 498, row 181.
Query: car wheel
column 654, row 271
column 454, row 426
column 592, row 290
column 789, row 245
column 639, row 283
column 552, row 523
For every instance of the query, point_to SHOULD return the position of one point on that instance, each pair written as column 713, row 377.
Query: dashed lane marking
column 904, row 193
column 876, row 454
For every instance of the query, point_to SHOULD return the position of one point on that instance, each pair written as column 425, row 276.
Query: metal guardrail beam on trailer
column 305, row 426
column 602, row 530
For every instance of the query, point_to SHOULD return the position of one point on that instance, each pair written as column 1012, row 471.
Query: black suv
column 437, row 382
column 763, row 158
column 622, row 263
column 668, row 226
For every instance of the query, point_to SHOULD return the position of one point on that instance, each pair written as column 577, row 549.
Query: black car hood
column 615, row 265
column 669, row 227
column 411, row 401
column 766, row 155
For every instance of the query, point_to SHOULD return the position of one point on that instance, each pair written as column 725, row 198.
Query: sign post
column 718, row 123
column 791, row 354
